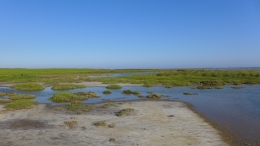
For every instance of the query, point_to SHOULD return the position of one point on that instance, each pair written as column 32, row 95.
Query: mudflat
column 154, row 123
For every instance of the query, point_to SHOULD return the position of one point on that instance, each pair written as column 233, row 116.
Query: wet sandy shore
column 155, row 123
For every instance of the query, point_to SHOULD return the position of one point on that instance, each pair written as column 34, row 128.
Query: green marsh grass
column 154, row 96
column 114, row 87
column 67, row 86
column 175, row 77
column 106, row 105
column 5, row 100
column 21, row 104
column 127, row 92
column 64, row 97
column 111, row 125
column 136, row 92
column 107, row 92
column 87, row 95
column 21, row 96
column 71, row 124
column 28, row 87
column 2, row 94
column 99, row 123
column 126, row 111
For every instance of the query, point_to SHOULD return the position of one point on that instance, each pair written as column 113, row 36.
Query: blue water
column 237, row 110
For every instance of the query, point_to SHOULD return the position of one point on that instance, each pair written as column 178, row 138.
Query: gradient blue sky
column 129, row 33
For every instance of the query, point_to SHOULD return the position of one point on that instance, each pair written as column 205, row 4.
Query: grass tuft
column 154, row 96
column 107, row 92
column 114, row 87
column 67, row 86
column 75, row 106
column 71, row 124
column 2, row 94
column 21, row 104
column 64, row 97
column 28, row 87
column 111, row 125
column 126, row 111
column 99, row 123
column 87, row 95
column 136, row 92
column 127, row 92
column 106, row 105
column 15, row 96
column 5, row 100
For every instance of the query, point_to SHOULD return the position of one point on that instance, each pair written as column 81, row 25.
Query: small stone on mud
column 170, row 116
column 112, row 140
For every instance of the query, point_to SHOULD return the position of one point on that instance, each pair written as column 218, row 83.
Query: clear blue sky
column 129, row 33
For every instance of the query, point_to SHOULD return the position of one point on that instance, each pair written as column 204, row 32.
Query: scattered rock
column 112, row 139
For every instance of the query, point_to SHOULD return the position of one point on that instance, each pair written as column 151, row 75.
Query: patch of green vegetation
column 188, row 93
column 75, row 106
column 64, row 97
column 175, row 77
column 2, row 94
column 5, row 100
column 136, row 92
column 67, row 86
column 107, row 92
column 131, row 92
column 71, row 124
column 154, row 96
column 127, row 92
column 114, row 87
column 141, row 96
column 28, row 87
column 126, row 111
column 21, row 104
column 111, row 125
column 99, row 123
column 15, row 96
column 106, row 105
column 87, row 95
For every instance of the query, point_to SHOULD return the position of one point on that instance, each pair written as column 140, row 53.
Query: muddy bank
column 150, row 123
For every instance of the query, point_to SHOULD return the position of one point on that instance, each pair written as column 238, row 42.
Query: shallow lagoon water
column 235, row 110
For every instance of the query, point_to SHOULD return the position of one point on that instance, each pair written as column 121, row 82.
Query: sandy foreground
column 157, row 123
